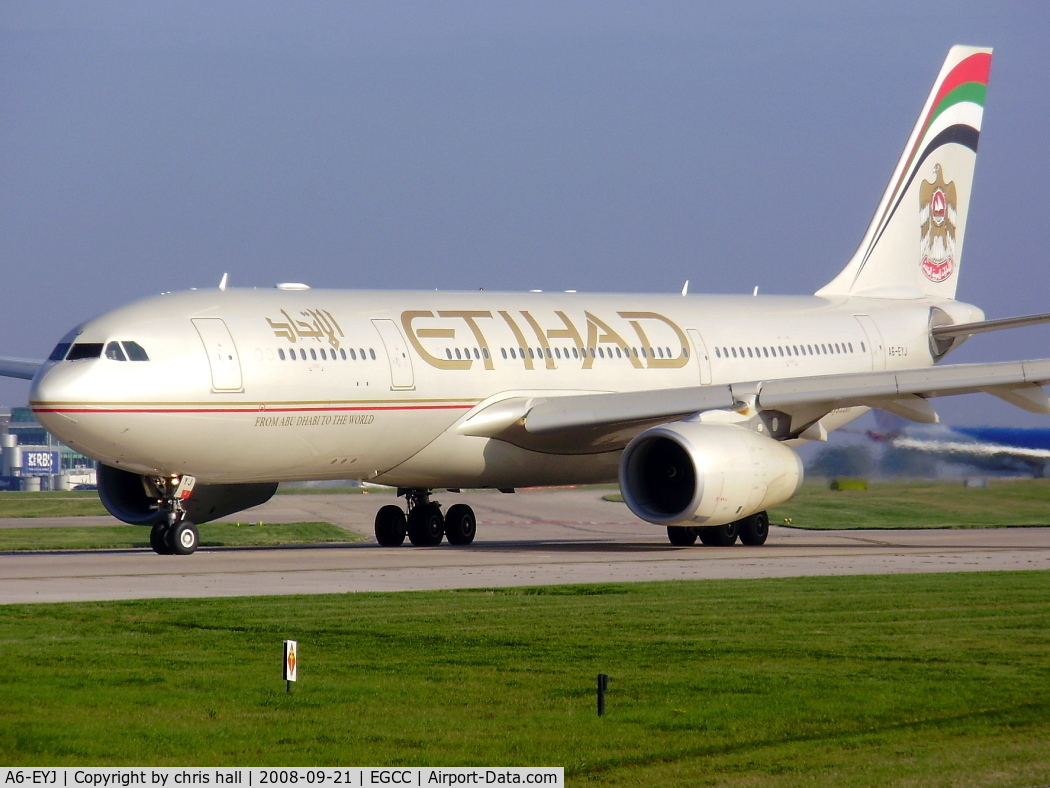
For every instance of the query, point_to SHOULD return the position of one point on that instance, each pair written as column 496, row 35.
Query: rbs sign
column 35, row 463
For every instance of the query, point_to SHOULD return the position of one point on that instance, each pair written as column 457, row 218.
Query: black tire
column 681, row 536
column 754, row 529
column 426, row 526
column 390, row 526
column 183, row 538
column 158, row 540
column 718, row 535
column 460, row 524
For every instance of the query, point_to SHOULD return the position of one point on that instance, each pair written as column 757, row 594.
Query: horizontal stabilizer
column 24, row 368
column 969, row 329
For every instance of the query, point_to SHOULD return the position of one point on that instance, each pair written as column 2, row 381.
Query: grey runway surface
column 530, row 538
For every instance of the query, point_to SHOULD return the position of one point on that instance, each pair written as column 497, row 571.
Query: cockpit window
column 60, row 351
column 82, row 350
column 135, row 351
column 114, row 353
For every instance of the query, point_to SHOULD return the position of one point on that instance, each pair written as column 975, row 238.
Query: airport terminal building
column 34, row 460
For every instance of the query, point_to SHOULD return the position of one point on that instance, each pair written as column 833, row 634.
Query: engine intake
column 709, row 474
column 133, row 498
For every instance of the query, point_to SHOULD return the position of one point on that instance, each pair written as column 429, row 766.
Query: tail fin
column 914, row 243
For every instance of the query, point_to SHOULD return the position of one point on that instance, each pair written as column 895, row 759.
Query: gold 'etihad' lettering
column 519, row 337
column 635, row 319
column 470, row 317
column 434, row 361
column 607, row 336
column 544, row 347
column 599, row 333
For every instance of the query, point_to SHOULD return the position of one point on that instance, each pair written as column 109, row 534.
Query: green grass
column 75, row 503
column 211, row 535
column 917, row 680
column 919, row 505
column 925, row 504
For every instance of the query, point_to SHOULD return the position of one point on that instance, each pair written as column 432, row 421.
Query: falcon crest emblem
column 937, row 219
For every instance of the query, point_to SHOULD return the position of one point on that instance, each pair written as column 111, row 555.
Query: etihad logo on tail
column 937, row 218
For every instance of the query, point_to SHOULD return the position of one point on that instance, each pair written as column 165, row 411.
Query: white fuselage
column 379, row 380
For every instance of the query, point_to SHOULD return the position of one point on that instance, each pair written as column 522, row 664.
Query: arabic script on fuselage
column 319, row 325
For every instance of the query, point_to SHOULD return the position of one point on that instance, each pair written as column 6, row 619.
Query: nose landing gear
column 177, row 535
column 424, row 524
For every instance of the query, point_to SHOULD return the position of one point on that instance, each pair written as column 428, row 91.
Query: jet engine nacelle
column 133, row 498
column 710, row 474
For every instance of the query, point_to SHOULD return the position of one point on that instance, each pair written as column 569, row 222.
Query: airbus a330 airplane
column 198, row 403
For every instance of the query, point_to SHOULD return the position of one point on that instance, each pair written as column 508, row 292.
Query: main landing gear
column 751, row 530
column 424, row 525
column 176, row 535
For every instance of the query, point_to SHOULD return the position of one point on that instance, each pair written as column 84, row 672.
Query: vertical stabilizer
column 914, row 244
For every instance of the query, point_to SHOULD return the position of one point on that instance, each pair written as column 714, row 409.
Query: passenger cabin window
column 84, row 350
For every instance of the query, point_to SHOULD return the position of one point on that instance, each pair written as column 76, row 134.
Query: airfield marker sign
column 291, row 663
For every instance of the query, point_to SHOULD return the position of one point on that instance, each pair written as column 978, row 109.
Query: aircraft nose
column 53, row 393
column 51, row 385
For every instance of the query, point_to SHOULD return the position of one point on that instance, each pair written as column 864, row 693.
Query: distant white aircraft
column 994, row 449
column 198, row 403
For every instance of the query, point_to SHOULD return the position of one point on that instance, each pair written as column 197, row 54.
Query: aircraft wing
column 585, row 423
column 24, row 368
column 1017, row 382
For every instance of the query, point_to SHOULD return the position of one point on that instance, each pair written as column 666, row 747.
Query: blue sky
column 607, row 146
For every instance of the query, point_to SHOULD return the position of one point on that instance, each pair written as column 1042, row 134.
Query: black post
column 603, row 685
